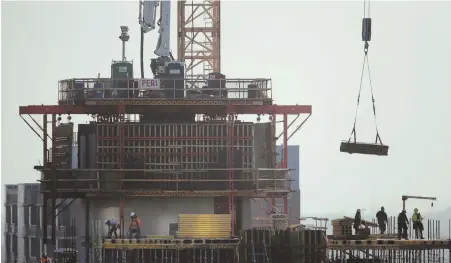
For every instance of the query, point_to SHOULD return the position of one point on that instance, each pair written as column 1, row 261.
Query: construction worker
column 382, row 220
column 135, row 226
column 417, row 223
column 44, row 258
column 357, row 221
column 403, row 224
column 113, row 225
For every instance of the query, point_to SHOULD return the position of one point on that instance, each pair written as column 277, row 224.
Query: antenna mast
column 124, row 37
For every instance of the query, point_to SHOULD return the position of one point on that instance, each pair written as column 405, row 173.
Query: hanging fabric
column 378, row 148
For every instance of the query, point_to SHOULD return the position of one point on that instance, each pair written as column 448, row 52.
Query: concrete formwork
column 155, row 213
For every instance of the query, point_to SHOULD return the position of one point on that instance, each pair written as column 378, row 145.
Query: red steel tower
column 199, row 39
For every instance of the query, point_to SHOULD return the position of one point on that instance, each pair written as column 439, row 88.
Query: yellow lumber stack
column 204, row 226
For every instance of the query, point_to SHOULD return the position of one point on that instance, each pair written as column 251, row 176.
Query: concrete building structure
column 22, row 227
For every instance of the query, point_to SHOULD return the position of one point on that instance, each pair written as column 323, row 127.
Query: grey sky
column 313, row 53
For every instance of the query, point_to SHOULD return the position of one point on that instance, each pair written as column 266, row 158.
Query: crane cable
column 366, row 36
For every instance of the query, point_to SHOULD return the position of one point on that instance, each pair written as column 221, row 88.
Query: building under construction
column 174, row 149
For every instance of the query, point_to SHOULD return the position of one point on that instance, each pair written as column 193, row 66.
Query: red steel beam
column 236, row 109
column 270, row 109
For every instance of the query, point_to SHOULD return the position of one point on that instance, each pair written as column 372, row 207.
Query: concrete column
column 9, row 207
column 41, row 247
column 10, row 249
column 21, row 227
column 30, row 210
column 39, row 225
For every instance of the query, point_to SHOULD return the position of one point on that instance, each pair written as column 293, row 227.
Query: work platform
column 175, row 243
column 107, row 91
column 98, row 182
column 390, row 243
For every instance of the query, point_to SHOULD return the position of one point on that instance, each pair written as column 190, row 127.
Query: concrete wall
column 293, row 163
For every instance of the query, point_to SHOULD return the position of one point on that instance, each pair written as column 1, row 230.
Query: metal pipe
column 87, row 238
column 285, row 157
column 44, row 186
column 54, row 184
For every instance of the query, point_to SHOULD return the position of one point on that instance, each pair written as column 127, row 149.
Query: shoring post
column 44, row 185
column 231, row 202
column 274, row 145
column 285, row 158
column 53, row 186
column 121, row 113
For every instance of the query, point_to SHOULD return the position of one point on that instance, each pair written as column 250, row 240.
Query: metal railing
column 72, row 91
column 200, row 180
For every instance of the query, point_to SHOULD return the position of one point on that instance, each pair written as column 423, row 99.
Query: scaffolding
column 164, row 151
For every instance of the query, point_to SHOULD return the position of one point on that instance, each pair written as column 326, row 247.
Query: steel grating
column 204, row 226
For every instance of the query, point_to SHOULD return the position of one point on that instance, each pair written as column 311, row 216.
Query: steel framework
column 229, row 110
column 199, row 48
column 199, row 37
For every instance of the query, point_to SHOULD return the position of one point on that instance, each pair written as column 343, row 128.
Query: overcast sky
column 313, row 53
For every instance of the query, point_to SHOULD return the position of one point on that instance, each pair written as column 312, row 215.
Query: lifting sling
column 378, row 148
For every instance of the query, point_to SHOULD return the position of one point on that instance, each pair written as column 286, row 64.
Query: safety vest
column 135, row 223
column 416, row 217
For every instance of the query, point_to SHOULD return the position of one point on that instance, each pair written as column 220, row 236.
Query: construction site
column 174, row 150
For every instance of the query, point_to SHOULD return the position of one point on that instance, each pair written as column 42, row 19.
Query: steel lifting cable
column 366, row 37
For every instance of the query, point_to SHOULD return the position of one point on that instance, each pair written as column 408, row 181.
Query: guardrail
column 109, row 180
column 80, row 91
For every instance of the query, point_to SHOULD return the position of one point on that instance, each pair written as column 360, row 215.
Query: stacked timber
column 279, row 221
column 342, row 227
column 204, row 226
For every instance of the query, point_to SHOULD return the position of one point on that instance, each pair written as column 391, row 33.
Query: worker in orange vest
column 135, row 226
column 44, row 258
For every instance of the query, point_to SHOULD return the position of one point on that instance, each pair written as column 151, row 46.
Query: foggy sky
column 313, row 53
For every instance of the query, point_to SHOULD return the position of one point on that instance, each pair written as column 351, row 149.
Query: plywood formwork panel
column 173, row 146
column 165, row 146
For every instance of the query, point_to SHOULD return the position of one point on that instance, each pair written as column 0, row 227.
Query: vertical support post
column 274, row 145
column 121, row 111
column 121, row 215
column 285, row 157
column 87, row 231
column 44, row 185
column 230, row 171
column 53, row 186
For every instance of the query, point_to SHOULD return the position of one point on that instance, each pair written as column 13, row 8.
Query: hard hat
column 415, row 210
column 132, row 214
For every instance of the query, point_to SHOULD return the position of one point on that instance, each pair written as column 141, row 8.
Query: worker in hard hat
column 357, row 221
column 44, row 258
column 113, row 225
column 382, row 220
column 403, row 224
column 135, row 226
column 417, row 223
